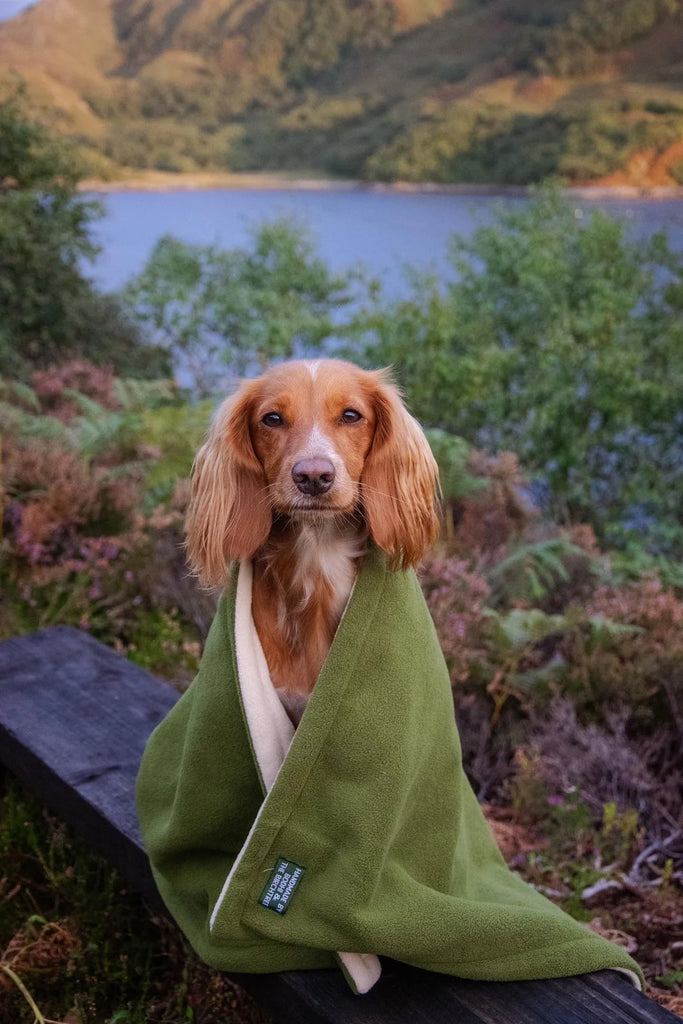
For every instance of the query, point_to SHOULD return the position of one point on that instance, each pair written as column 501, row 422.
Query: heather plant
column 574, row 721
column 56, row 502
column 86, row 458
column 73, row 468
column 527, row 623
column 614, row 771
column 620, row 647
column 456, row 598
column 55, row 387
column 647, row 667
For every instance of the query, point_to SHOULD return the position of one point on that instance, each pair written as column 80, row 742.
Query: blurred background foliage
column 560, row 340
column 49, row 310
column 217, row 310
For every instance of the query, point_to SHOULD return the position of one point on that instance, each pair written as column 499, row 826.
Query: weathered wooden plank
column 74, row 720
column 405, row 994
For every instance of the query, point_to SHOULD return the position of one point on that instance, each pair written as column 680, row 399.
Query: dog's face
column 311, row 426
column 310, row 439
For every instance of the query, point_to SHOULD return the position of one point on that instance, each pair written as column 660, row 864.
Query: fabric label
column 281, row 886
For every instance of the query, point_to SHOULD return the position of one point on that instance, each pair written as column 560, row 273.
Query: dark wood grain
column 74, row 720
column 405, row 995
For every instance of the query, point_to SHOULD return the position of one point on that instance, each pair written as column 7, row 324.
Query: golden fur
column 306, row 547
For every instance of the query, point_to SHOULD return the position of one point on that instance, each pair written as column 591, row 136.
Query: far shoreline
column 210, row 181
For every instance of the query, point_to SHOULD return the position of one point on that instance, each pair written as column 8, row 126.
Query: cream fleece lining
column 271, row 735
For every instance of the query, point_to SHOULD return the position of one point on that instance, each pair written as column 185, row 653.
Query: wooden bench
column 74, row 719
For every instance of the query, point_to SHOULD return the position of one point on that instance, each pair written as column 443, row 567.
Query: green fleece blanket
column 277, row 849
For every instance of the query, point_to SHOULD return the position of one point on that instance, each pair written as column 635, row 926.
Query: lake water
column 8, row 8
column 383, row 230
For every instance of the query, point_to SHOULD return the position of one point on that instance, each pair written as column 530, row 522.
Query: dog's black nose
column 313, row 476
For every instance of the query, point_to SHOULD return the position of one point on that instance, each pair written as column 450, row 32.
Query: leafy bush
column 49, row 311
column 174, row 433
column 306, row 38
column 560, row 341
column 318, row 112
column 608, row 670
column 239, row 307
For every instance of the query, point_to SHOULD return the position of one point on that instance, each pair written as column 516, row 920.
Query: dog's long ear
column 400, row 480
column 229, row 515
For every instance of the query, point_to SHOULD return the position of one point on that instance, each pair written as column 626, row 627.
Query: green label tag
column 281, row 886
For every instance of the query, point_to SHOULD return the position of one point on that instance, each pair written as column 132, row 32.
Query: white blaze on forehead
column 318, row 443
column 312, row 365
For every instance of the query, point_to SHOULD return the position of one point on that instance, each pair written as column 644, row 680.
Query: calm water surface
column 8, row 8
column 383, row 230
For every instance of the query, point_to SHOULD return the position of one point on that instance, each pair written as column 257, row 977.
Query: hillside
column 496, row 91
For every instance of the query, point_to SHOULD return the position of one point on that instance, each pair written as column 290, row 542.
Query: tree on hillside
column 237, row 308
column 49, row 311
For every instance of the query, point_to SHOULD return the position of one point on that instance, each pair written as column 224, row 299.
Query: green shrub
column 560, row 341
column 237, row 307
column 49, row 310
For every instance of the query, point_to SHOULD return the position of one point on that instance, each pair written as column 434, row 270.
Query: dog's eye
column 350, row 416
column 272, row 419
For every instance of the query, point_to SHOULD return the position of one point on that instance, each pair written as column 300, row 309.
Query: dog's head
column 311, row 439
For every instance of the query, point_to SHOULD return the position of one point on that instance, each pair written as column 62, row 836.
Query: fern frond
column 532, row 570
column 140, row 395
column 86, row 406
column 24, row 425
column 452, row 453
column 96, row 435
column 601, row 626
column 520, row 628
column 14, row 390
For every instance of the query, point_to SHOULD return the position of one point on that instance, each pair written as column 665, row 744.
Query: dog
column 304, row 468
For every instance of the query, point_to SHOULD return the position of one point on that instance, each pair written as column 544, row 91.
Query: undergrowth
column 84, row 946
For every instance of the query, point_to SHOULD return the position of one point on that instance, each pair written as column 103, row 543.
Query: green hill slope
column 500, row 91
